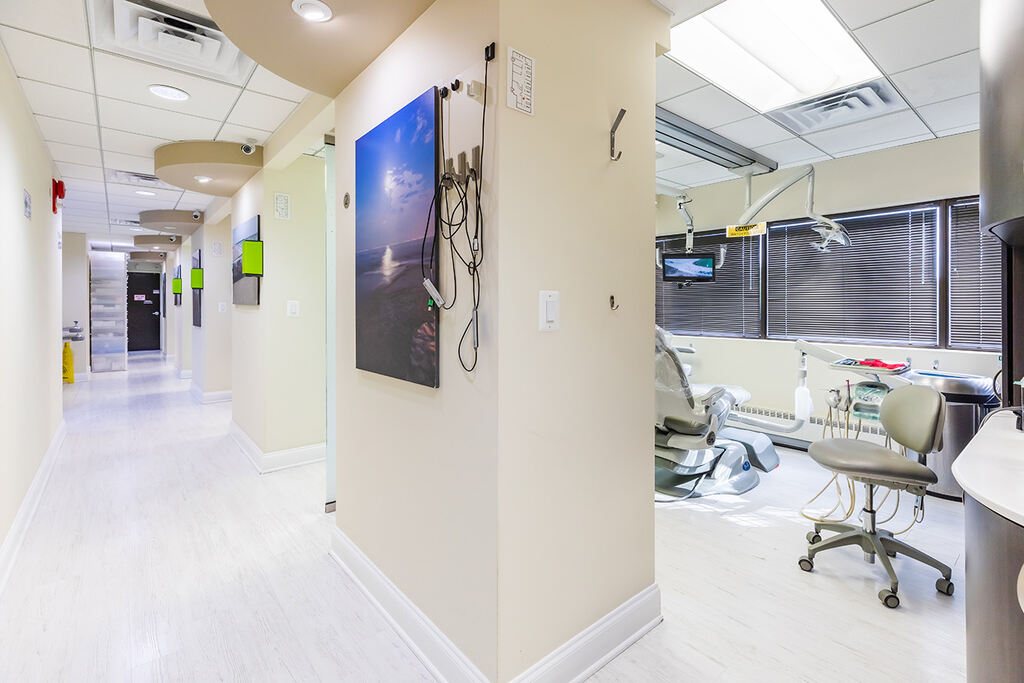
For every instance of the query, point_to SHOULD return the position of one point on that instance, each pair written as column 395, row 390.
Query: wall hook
column 611, row 303
column 615, row 127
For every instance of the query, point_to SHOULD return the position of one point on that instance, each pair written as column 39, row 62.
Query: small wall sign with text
column 28, row 204
column 282, row 206
column 747, row 230
column 519, row 95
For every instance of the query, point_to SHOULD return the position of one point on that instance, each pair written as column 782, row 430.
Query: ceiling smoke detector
column 312, row 10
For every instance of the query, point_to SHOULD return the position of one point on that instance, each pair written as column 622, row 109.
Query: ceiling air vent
column 168, row 37
column 141, row 179
column 849, row 105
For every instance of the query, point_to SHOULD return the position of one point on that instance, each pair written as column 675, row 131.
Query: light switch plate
column 293, row 309
column 549, row 312
column 222, row 307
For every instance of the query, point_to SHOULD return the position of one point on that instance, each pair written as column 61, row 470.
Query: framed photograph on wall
column 396, row 322
column 245, row 284
column 197, row 291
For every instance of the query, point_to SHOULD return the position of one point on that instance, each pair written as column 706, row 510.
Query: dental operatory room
column 529, row 341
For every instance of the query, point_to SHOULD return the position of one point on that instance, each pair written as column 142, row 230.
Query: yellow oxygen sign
column 747, row 230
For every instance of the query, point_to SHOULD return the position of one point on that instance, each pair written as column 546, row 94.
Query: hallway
column 158, row 553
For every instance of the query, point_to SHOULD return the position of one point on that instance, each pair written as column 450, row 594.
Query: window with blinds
column 975, row 281
column 881, row 290
column 728, row 307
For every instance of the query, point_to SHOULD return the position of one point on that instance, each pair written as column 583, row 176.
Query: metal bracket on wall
column 615, row 127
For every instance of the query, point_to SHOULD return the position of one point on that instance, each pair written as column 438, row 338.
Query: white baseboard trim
column 27, row 511
column 209, row 396
column 184, row 374
column 276, row 460
column 601, row 642
column 433, row 648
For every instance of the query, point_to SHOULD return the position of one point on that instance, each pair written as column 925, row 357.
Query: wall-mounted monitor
column 688, row 267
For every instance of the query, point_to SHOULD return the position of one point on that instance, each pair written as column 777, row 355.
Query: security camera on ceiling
column 196, row 215
column 248, row 150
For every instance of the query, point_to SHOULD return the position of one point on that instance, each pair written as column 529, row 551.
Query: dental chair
column 913, row 416
column 690, row 459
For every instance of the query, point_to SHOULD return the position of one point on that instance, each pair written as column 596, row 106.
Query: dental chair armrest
column 687, row 427
column 711, row 396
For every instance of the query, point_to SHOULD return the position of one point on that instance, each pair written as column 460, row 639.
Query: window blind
column 728, row 307
column 881, row 290
column 975, row 281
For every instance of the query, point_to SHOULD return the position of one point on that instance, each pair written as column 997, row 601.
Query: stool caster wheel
column 889, row 599
column 806, row 563
column 944, row 586
column 813, row 537
column 891, row 553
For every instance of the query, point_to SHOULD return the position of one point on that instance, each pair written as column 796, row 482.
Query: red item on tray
column 875, row 363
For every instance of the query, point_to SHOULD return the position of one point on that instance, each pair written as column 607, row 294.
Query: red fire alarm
column 58, row 192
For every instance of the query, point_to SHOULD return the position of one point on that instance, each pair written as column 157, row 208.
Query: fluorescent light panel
column 770, row 53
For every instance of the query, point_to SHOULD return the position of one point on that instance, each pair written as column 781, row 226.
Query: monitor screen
column 688, row 267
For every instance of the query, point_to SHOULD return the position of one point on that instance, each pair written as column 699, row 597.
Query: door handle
column 156, row 312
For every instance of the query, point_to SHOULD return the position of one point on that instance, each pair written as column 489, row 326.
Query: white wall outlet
column 293, row 309
column 549, row 311
column 222, row 307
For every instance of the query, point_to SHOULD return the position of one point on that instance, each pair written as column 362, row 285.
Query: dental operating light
column 771, row 53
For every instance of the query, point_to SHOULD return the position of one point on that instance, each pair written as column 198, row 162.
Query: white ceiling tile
column 700, row 173
column 962, row 113
column 48, row 60
column 127, row 79
column 933, row 31
column 889, row 128
column 667, row 157
column 130, row 143
column 709, row 107
column 58, row 18
column 232, row 133
column 129, row 193
column 260, row 111
column 94, row 212
column 190, row 201
column 791, row 152
column 941, row 80
column 673, row 79
column 81, row 172
column 61, row 103
column 269, row 83
column 857, row 13
column 662, row 186
column 158, row 123
column 754, row 132
column 74, row 154
column 69, row 132
column 92, row 187
column 886, row 145
column 127, row 162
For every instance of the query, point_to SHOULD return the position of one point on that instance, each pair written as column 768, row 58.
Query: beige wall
column 923, row 171
column 279, row 362
column 489, row 523
column 417, row 467
column 575, row 519
column 30, row 344
column 75, row 297
column 211, row 343
column 183, row 313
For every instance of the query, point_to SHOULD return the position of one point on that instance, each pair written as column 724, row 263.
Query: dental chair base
column 874, row 543
column 722, row 469
column 760, row 449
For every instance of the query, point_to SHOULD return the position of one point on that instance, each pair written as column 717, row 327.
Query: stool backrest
column 914, row 416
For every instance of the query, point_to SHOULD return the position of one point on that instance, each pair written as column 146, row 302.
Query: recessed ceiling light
column 169, row 92
column 770, row 54
column 145, row 193
column 203, row 179
column 312, row 10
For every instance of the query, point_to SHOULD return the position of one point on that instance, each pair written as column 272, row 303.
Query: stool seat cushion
column 862, row 459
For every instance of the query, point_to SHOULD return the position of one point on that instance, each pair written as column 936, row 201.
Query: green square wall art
column 246, row 263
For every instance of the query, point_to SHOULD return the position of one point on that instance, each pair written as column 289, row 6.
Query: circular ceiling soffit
column 188, row 165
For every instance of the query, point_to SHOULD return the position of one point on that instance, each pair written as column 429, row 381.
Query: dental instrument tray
column 871, row 366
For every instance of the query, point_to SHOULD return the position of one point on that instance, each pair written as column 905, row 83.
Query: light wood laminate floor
column 158, row 554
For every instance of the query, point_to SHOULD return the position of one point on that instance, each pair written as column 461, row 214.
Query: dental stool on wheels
column 913, row 416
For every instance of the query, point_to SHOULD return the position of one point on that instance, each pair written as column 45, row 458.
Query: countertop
column 991, row 467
